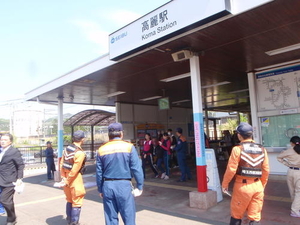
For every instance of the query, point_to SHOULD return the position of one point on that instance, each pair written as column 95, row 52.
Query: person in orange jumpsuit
column 71, row 169
column 249, row 164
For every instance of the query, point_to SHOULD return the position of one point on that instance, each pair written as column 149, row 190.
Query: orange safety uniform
column 70, row 168
column 249, row 164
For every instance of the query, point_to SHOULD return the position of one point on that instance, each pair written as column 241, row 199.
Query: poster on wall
column 278, row 89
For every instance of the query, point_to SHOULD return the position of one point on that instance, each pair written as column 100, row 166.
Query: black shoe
column 181, row 181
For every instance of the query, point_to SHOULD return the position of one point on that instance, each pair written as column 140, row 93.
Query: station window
column 276, row 131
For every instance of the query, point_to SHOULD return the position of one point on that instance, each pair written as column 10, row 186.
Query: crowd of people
column 165, row 152
column 118, row 161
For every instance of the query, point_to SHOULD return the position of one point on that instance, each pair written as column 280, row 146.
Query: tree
column 4, row 125
column 231, row 124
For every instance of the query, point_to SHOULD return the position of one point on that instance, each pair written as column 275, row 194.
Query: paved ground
column 164, row 202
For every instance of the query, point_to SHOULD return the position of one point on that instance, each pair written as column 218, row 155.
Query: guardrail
column 36, row 154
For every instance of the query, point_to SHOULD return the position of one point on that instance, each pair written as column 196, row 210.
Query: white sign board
column 172, row 18
column 213, row 173
column 279, row 89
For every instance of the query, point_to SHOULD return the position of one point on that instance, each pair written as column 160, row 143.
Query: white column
column 253, row 106
column 118, row 112
column 198, row 124
column 60, row 127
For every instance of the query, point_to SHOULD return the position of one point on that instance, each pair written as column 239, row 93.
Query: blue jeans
column 184, row 169
column 159, row 165
column 166, row 162
column 2, row 210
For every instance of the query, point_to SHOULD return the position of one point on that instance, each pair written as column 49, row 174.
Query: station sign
column 171, row 19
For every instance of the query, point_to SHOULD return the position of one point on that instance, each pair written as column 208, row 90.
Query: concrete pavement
column 163, row 202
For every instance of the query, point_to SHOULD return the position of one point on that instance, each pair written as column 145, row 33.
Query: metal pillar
column 198, row 124
column 92, row 137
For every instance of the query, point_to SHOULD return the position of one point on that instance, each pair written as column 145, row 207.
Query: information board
column 278, row 89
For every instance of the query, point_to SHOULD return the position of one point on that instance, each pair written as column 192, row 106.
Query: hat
column 48, row 142
column 79, row 134
column 179, row 130
column 115, row 127
column 244, row 128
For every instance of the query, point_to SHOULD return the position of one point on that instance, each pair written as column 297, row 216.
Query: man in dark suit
column 11, row 170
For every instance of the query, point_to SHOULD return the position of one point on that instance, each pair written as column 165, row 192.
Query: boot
column 75, row 215
column 234, row 221
column 254, row 222
column 69, row 212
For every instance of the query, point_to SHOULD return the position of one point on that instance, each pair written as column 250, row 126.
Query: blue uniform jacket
column 181, row 147
column 118, row 159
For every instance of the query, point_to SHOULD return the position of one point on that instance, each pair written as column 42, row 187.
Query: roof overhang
column 228, row 49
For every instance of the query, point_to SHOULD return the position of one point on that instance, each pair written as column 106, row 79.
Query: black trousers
column 7, row 200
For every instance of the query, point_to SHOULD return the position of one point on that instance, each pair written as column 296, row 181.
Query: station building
column 170, row 67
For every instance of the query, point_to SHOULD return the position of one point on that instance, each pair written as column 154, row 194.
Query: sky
column 42, row 40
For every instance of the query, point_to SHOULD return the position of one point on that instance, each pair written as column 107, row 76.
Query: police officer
column 249, row 164
column 181, row 150
column 116, row 162
column 71, row 168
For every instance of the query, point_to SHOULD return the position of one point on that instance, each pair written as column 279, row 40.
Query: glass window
column 277, row 130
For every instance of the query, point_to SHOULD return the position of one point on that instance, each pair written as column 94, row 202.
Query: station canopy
column 228, row 49
column 92, row 117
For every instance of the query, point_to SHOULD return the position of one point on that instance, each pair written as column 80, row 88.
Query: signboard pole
column 198, row 124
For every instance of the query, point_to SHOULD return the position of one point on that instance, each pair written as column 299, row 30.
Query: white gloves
column 60, row 184
column 19, row 186
column 136, row 192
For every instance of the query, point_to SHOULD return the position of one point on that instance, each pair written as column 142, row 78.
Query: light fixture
column 178, row 77
column 217, row 84
column 181, row 101
column 238, row 91
column 150, row 98
column 115, row 93
column 283, row 50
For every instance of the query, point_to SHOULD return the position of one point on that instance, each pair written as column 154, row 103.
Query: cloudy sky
column 41, row 40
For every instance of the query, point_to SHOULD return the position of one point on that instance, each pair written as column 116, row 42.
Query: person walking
column 159, row 153
column 291, row 158
column 116, row 162
column 11, row 174
column 71, row 169
column 249, row 165
column 165, row 144
column 50, row 161
column 181, row 150
column 147, row 156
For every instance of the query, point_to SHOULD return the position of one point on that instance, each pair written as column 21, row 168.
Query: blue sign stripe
column 199, row 139
column 278, row 71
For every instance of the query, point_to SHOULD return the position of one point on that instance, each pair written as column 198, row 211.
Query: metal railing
column 36, row 154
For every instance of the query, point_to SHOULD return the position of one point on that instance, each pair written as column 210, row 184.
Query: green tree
column 4, row 125
column 231, row 124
